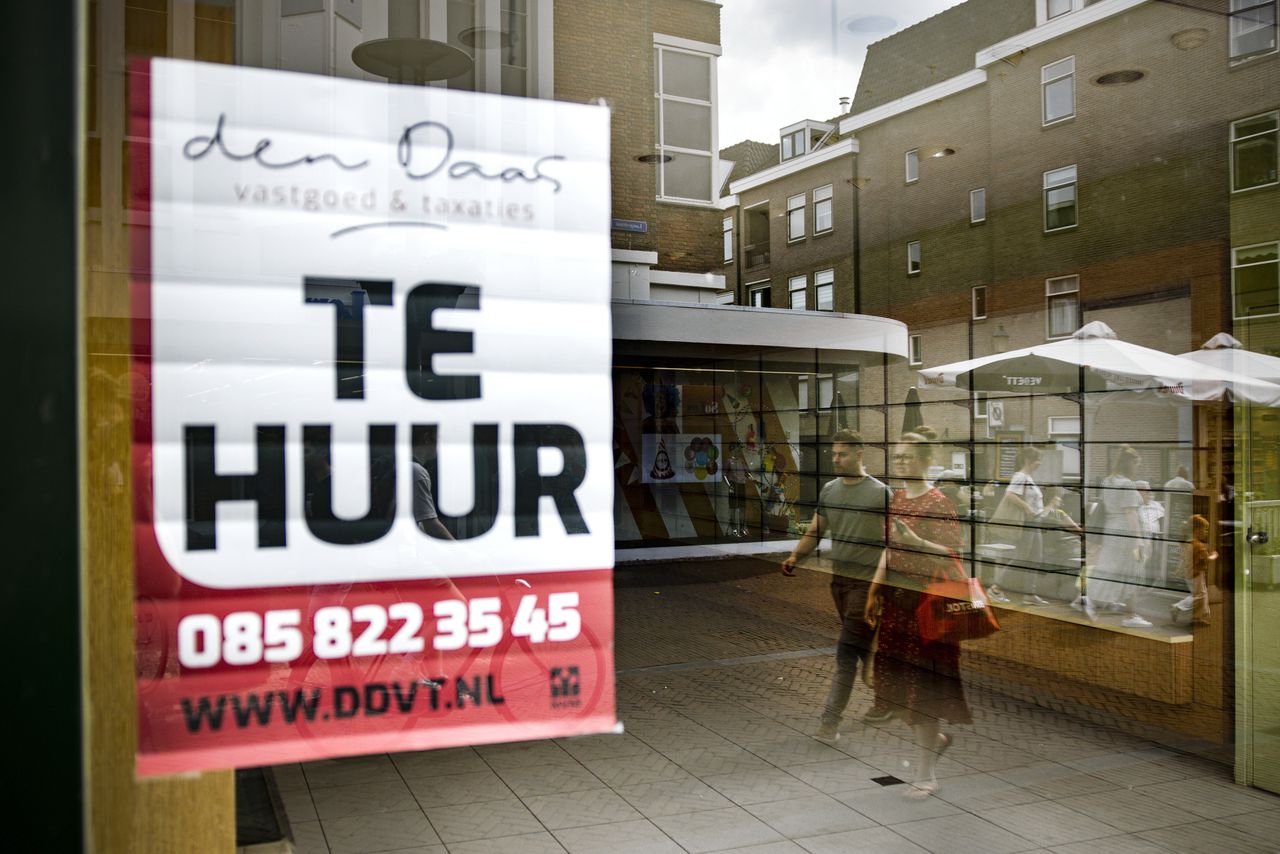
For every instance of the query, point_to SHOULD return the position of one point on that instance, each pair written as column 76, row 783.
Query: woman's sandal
column 921, row 790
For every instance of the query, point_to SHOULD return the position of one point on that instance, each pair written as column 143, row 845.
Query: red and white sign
column 373, row 450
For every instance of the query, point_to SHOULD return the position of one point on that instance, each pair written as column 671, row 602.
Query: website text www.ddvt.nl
column 253, row 708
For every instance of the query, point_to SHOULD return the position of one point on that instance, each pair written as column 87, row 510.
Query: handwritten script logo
column 424, row 150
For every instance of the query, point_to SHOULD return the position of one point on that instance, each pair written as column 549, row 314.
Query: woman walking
column 1117, row 577
column 918, row 680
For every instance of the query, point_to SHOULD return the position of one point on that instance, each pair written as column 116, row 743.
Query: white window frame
column 980, row 405
column 803, row 290
column 758, row 287
column 976, row 216
column 915, row 350
column 1236, row 266
column 663, row 44
column 911, row 165
column 795, row 205
column 1043, row 8
column 824, row 279
column 822, row 199
column 1054, row 430
column 973, row 302
column 913, row 248
column 1055, row 289
column 728, row 239
column 797, row 141
column 1074, row 183
column 1236, row 29
column 1275, row 132
column 1051, row 74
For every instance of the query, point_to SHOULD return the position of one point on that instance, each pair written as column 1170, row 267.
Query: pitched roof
column 749, row 157
column 937, row 48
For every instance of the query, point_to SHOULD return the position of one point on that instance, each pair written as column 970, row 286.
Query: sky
column 780, row 65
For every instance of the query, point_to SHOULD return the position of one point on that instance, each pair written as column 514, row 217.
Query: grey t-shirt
column 424, row 505
column 855, row 516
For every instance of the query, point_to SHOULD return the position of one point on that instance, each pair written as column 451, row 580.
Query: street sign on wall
column 373, row 459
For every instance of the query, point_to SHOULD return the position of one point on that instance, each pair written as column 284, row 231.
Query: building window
column 1253, row 151
column 1058, row 86
column 796, row 287
column 822, row 209
column 978, row 205
column 824, row 290
column 1047, row 10
column 684, row 88
column 728, row 239
column 759, row 295
column 913, row 257
column 1255, row 280
column 755, row 225
column 915, row 350
column 913, row 165
column 793, row 144
column 1253, row 28
column 1065, row 431
column 1062, row 306
column 795, row 217
column 1060, row 198
column 979, row 404
column 980, row 302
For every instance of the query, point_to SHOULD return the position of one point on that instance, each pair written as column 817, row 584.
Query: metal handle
column 1257, row 538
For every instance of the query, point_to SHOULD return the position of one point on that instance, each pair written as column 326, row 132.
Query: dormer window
column 793, row 144
column 803, row 137
column 1047, row 10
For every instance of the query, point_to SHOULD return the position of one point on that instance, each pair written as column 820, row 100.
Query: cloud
column 787, row 61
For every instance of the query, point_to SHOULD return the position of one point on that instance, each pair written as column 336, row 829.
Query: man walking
column 853, row 509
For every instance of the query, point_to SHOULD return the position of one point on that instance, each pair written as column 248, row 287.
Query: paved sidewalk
column 717, row 756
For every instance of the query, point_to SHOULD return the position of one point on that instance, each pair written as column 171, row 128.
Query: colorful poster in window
column 681, row 458
column 373, row 466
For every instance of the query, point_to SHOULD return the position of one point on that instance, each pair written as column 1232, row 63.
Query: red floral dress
column 915, row 679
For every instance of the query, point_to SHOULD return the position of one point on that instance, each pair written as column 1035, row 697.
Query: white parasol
column 1096, row 358
column 1225, row 352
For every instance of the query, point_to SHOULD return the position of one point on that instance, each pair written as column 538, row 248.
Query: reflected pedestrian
column 1116, row 578
column 1199, row 564
column 852, row 509
column 918, row 680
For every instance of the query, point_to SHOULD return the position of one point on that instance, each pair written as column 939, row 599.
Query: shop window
column 1062, row 306
column 1254, row 151
column 915, row 350
column 913, row 257
column 1255, row 280
column 1253, row 28
column 912, row 165
column 1060, row 199
column 978, row 205
column 824, row 290
column 796, row 287
column 1058, row 89
column 728, row 239
column 822, row 210
column 980, row 302
column 795, row 217
column 684, row 89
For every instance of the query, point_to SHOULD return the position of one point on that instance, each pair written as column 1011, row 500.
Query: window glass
column 795, row 217
column 1254, row 151
column 1059, row 89
column 796, row 286
column 1060, row 198
column 979, row 302
column 824, row 289
column 978, row 205
column 822, row 209
column 912, row 165
column 913, row 257
column 1253, row 28
column 728, row 238
column 686, row 75
column 1255, row 277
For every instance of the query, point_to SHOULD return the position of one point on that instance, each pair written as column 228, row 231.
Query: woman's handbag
column 955, row 609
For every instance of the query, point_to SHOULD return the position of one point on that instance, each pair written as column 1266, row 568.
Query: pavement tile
column 625, row 837
column 298, row 805
column 610, row 746
column 673, row 797
column 308, row 837
column 758, row 787
column 364, row 799
column 715, row 830
column 785, row 846
column 289, row 777
column 390, row 831
column 632, row 770
column 875, row 840
column 1211, row 799
column 1048, row 823
column 1264, row 825
column 889, row 805
column 468, row 788
column 809, row 816
column 432, row 763
column 725, row 759
column 1128, row 810
column 578, row 809
column 528, row 781
column 376, row 768
column 527, row 843
column 1203, row 837
column 524, row 754
column 1111, row 845
column 1054, row 780
column 794, row 750
column 841, row 775
column 974, row 792
column 488, row 820
column 963, row 834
